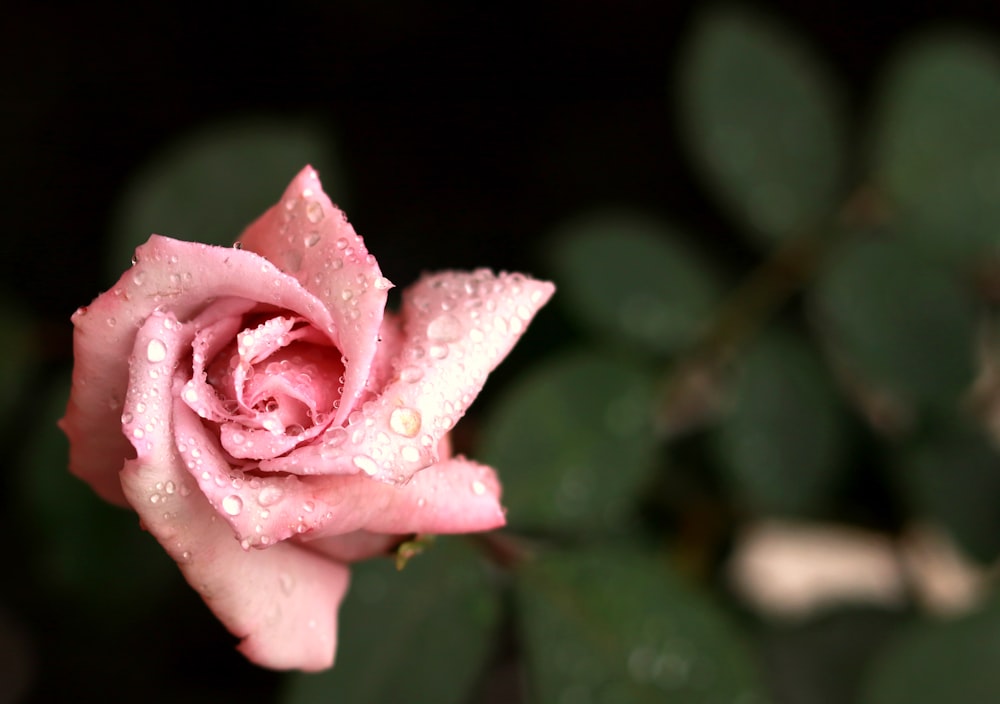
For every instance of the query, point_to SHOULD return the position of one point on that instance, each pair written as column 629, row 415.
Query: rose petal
column 457, row 327
column 453, row 496
column 310, row 238
column 185, row 277
column 282, row 602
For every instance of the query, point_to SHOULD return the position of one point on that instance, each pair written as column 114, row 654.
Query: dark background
column 466, row 133
column 472, row 126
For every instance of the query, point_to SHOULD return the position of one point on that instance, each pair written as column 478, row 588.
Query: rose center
column 273, row 386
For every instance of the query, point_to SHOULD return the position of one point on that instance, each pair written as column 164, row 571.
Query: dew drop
column 126, row 418
column 405, row 421
column 410, row 453
column 269, row 495
column 312, row 239
column 156, row 351
column 366, row 464
column 411, row 374
column 438, row 351
column 478, row 488
column 286, row 582
column 232, row 505
column 444, row 328
column 314, row 211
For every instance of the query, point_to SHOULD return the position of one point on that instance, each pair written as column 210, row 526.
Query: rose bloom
column 271, row 422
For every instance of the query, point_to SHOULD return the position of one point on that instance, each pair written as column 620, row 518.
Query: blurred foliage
column 442, row 632
column 840, row 370
column 936, row 149
column 611, row 624
column 211, row 184
column 763, row 123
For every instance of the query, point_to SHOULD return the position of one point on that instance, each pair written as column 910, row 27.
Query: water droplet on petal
column 270, row 495
column 312, row 239
column 444, row 328
column 438, row 351
column 314, row 211
column 232, row 505
column 411, row 374
column 405, row 422
column 478, row 488
column 286, row 582
column 366, row 464
column 156, row 351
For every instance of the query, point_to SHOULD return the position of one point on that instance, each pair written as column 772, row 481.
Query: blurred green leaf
column 932, row 662
column 422, row 634
column 211, row 183
column 783, row 443
column 634, row 279
column 615, row 625
column 824, row 660
column 900, row 322
column 762, row 120
column 937, row 146
column 573, row 443
column 952, row 477
column 85, row 549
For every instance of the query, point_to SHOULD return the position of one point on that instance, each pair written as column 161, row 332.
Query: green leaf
column 940, row 661
column 762, row 120
column 937, row 148
column 952, row 477
column 422, row 634
column 824, row 660
column 782, row 445
column 213, row 182
column 899, row 322
column 573, row 443
column 633, row 279
column 616, row 625
column 86, row 550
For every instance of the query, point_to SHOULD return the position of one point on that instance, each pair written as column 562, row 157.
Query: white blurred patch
column 792, row 570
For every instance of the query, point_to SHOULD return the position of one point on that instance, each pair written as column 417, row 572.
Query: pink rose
column 270, row 422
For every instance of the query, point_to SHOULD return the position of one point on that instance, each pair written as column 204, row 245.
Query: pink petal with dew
column 182, row 277
column 457, row 327
column 281, row 602
column 452, row 496
column 309, row 238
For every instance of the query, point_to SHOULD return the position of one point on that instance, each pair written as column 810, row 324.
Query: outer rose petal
column 306, row 236
column 457, row 327
column 282, row 601
column 183, row 277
